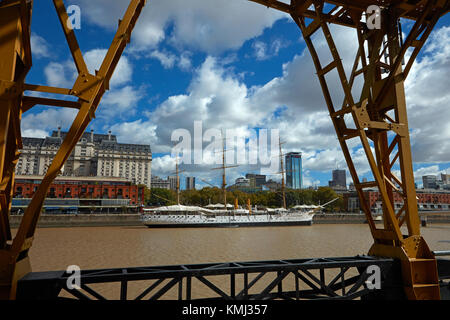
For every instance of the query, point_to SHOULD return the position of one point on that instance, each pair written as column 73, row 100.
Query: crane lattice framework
column 378, row 116
column 15, row 55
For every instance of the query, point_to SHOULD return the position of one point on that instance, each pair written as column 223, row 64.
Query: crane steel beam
column 378, row 116
column 15, row 19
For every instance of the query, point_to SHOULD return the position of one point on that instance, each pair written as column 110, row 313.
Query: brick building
column 428, row 200
column 80, row 192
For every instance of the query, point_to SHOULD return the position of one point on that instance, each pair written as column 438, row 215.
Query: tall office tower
column 172, row 182
column 339, row 179
column 190, row 183
column 294, row 170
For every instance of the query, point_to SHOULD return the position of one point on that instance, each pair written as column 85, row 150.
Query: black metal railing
column 320, row 278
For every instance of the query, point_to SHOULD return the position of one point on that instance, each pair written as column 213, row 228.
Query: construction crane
column 378, row 114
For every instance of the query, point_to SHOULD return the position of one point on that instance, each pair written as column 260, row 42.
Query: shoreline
column 109, row 220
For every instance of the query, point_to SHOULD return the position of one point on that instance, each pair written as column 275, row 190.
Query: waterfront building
column 428, row 200
column 95, row 155
column 79, row 194
column 256, row 180
column 445, row 178
column 294, row 170
column 159, row 183
column 242, row 182
column 429, row 182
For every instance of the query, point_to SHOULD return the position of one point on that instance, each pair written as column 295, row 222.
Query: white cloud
column 432, row 170
column 184, row 62
column 64, row 74
column 294, row 104
column 135, row 132
column 39, row 124
column 263, row 51
column 211, row 26
column 123, row 72
column 34, row 133
column 260, row 50
column 216, row 96
column 167, row 59
column 121, row 102
column 60, row 74
column 39, row 46
column 428, row 98
column 164, row 166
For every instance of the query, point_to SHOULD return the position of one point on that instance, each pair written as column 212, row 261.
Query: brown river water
column 118, row 247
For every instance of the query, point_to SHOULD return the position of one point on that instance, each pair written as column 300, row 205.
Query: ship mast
column 178, row 182
column 224, row 180
column 282, row 175
column 177, row 172
column 223, row 167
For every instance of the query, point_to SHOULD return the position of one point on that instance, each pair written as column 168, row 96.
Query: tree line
column 209, row 195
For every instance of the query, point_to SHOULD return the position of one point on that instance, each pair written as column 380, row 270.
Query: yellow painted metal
column 16, row 61
column 379, row 116
column 14, row 65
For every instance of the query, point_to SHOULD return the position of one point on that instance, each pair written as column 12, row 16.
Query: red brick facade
column 423, row 196
column 71, row 188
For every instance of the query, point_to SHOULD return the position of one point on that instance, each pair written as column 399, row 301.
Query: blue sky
column 231, row 65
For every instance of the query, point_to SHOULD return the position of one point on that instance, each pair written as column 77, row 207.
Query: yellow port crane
column 379, row 116
column 15, row 53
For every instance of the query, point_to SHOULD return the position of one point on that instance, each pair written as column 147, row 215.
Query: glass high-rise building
column 294, row 170
column 339, row 179
column 190, row 183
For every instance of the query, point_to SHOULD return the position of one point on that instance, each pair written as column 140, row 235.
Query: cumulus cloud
column 216, row 96
column 39, row 46
column 264, row 51
column 167, row 59
column 120, row 100
column 123, row 72
column 294, row 103
column 39, row 124
column 428, row 98
column 64, row 74
column 211, row 26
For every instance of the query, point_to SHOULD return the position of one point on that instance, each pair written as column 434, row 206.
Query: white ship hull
column 201, row 220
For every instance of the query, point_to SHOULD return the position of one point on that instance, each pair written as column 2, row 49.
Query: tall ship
column 227, row 215
column 192, row 216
